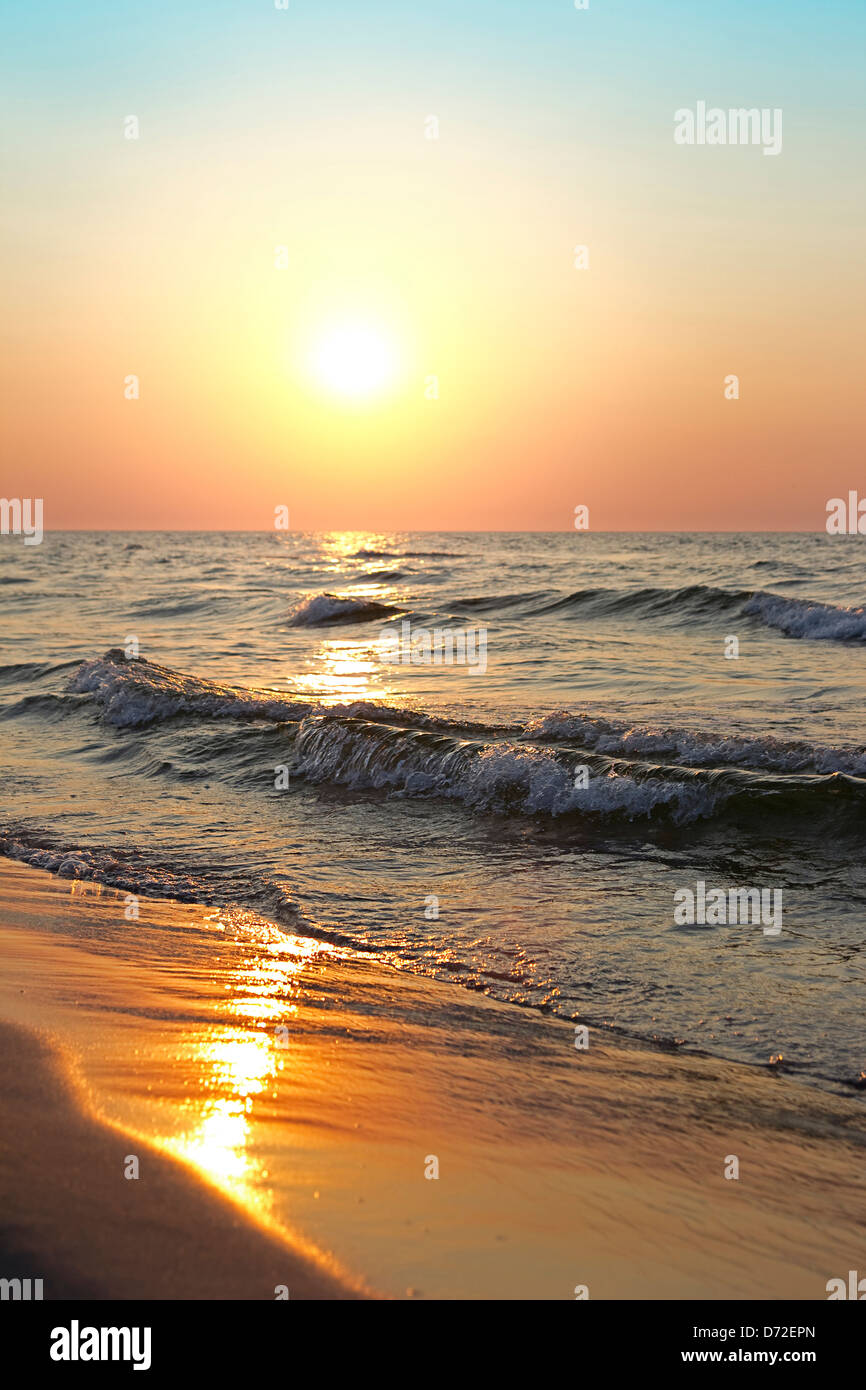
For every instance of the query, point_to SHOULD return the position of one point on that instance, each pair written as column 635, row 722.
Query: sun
column 354, row 360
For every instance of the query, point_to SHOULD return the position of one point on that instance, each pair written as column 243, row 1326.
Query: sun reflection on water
column 345, row 672
column 340, row 670
column 339, row 546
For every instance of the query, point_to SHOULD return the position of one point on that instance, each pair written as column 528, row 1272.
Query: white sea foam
column 317, row 610
column 103, row 867
column 819, row 622
column 694, row 749
column 131, row 693
column 499, row 777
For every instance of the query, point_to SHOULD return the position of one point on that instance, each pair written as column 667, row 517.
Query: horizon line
column 405, row 530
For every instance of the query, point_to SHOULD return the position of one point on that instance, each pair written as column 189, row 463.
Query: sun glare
column 353, row 360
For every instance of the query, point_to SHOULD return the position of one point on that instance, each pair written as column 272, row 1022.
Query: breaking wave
column 817, row 622
column 555, row 765
column 365, row 554
column 514, row 777
column 796, row 617
column 133, row 692
column 319, row 610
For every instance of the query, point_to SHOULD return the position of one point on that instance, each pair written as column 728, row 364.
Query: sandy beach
column 73, row 1221
column 286, row 1101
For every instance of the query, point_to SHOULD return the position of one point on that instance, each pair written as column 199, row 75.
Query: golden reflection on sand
column 235, row 1064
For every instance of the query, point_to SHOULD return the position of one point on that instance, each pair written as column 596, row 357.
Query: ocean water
column 519, row 823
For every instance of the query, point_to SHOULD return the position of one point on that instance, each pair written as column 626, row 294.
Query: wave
column 796, row 617
column 46, row 703
column 818, row 622
column 694, row 599
column 695, row 748
column 511, row 777
column 30, row 671
column 184, row 607
column 130, row 870
column 490, row 602
column 319, row 610
column 365, row 554
column 780, row 566
column 134, row 692
column 131, row 692
column 503, row 777
column 111, row 868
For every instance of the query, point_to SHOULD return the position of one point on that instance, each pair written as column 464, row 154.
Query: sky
column 327, row 310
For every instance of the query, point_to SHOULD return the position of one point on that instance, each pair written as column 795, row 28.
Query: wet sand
column 73, row 1219
column 288, row 1101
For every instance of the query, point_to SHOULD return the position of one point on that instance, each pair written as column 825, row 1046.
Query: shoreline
column 73, row 1220
column 558, row 1168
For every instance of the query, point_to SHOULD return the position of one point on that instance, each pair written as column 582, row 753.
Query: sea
column 500, row 760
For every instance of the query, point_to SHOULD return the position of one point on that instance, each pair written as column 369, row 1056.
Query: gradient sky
column 558, row 387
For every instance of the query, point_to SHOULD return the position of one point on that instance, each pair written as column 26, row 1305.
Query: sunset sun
column 353, row 360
